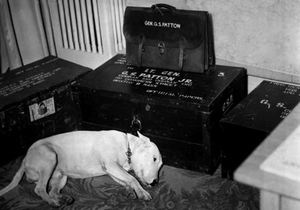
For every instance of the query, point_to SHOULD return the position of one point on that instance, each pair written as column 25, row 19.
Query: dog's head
column 146, row 160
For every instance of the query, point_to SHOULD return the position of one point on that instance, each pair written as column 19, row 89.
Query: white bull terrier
column 84, row 154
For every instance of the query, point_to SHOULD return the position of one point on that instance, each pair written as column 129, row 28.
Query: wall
column 263, row 36
column 29, row 29
column 4, row 63
column 22, row 38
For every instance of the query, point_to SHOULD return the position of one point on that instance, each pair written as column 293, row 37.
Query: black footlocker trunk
column 179, row 111
column 35, row 102
column 253, row 119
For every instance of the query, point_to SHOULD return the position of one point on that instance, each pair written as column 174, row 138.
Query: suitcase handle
column 161, row 7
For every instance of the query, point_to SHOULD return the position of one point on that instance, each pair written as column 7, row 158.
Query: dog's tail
column 15, row 180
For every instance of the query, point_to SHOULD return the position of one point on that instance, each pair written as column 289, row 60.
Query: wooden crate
column 253, row 119
column 179, row 111
column 35, row 102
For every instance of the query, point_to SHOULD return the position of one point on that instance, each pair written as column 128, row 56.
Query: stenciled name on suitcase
column 156, row 81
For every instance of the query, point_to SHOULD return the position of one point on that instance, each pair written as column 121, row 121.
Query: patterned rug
column 178, row 189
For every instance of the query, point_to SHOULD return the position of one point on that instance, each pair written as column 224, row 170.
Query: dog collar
column 128, row 154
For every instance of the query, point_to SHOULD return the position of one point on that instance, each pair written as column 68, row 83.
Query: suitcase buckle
column 161, row 48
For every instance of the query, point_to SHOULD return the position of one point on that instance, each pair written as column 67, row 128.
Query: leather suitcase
column 179, row 111
column 35, row 102
column 162, row 36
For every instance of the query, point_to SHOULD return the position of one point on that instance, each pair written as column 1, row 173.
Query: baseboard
column 267, row 74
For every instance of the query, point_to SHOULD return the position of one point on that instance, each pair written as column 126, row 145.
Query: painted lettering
column 162, row 24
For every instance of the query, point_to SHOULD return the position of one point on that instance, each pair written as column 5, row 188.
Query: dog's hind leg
column 57, row 182
column 40, row 164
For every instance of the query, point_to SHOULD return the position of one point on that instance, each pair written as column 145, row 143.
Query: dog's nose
column 154, row 183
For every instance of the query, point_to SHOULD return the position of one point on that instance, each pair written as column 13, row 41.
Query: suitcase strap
column 182, row 43
column 141, row 49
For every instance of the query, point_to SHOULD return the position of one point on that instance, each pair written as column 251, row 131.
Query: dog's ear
column 143, row 138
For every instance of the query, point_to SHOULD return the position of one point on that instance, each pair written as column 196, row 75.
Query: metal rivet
column 147, row 107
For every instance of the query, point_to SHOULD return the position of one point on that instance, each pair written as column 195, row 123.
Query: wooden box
column 179, row 111
column 35, row 102
column 253, row 119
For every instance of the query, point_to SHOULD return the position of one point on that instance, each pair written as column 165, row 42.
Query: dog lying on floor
column 84, row 154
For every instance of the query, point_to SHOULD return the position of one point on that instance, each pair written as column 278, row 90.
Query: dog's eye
column 154, row 159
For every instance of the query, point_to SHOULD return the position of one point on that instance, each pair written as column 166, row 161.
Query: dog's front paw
column 143, row 194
